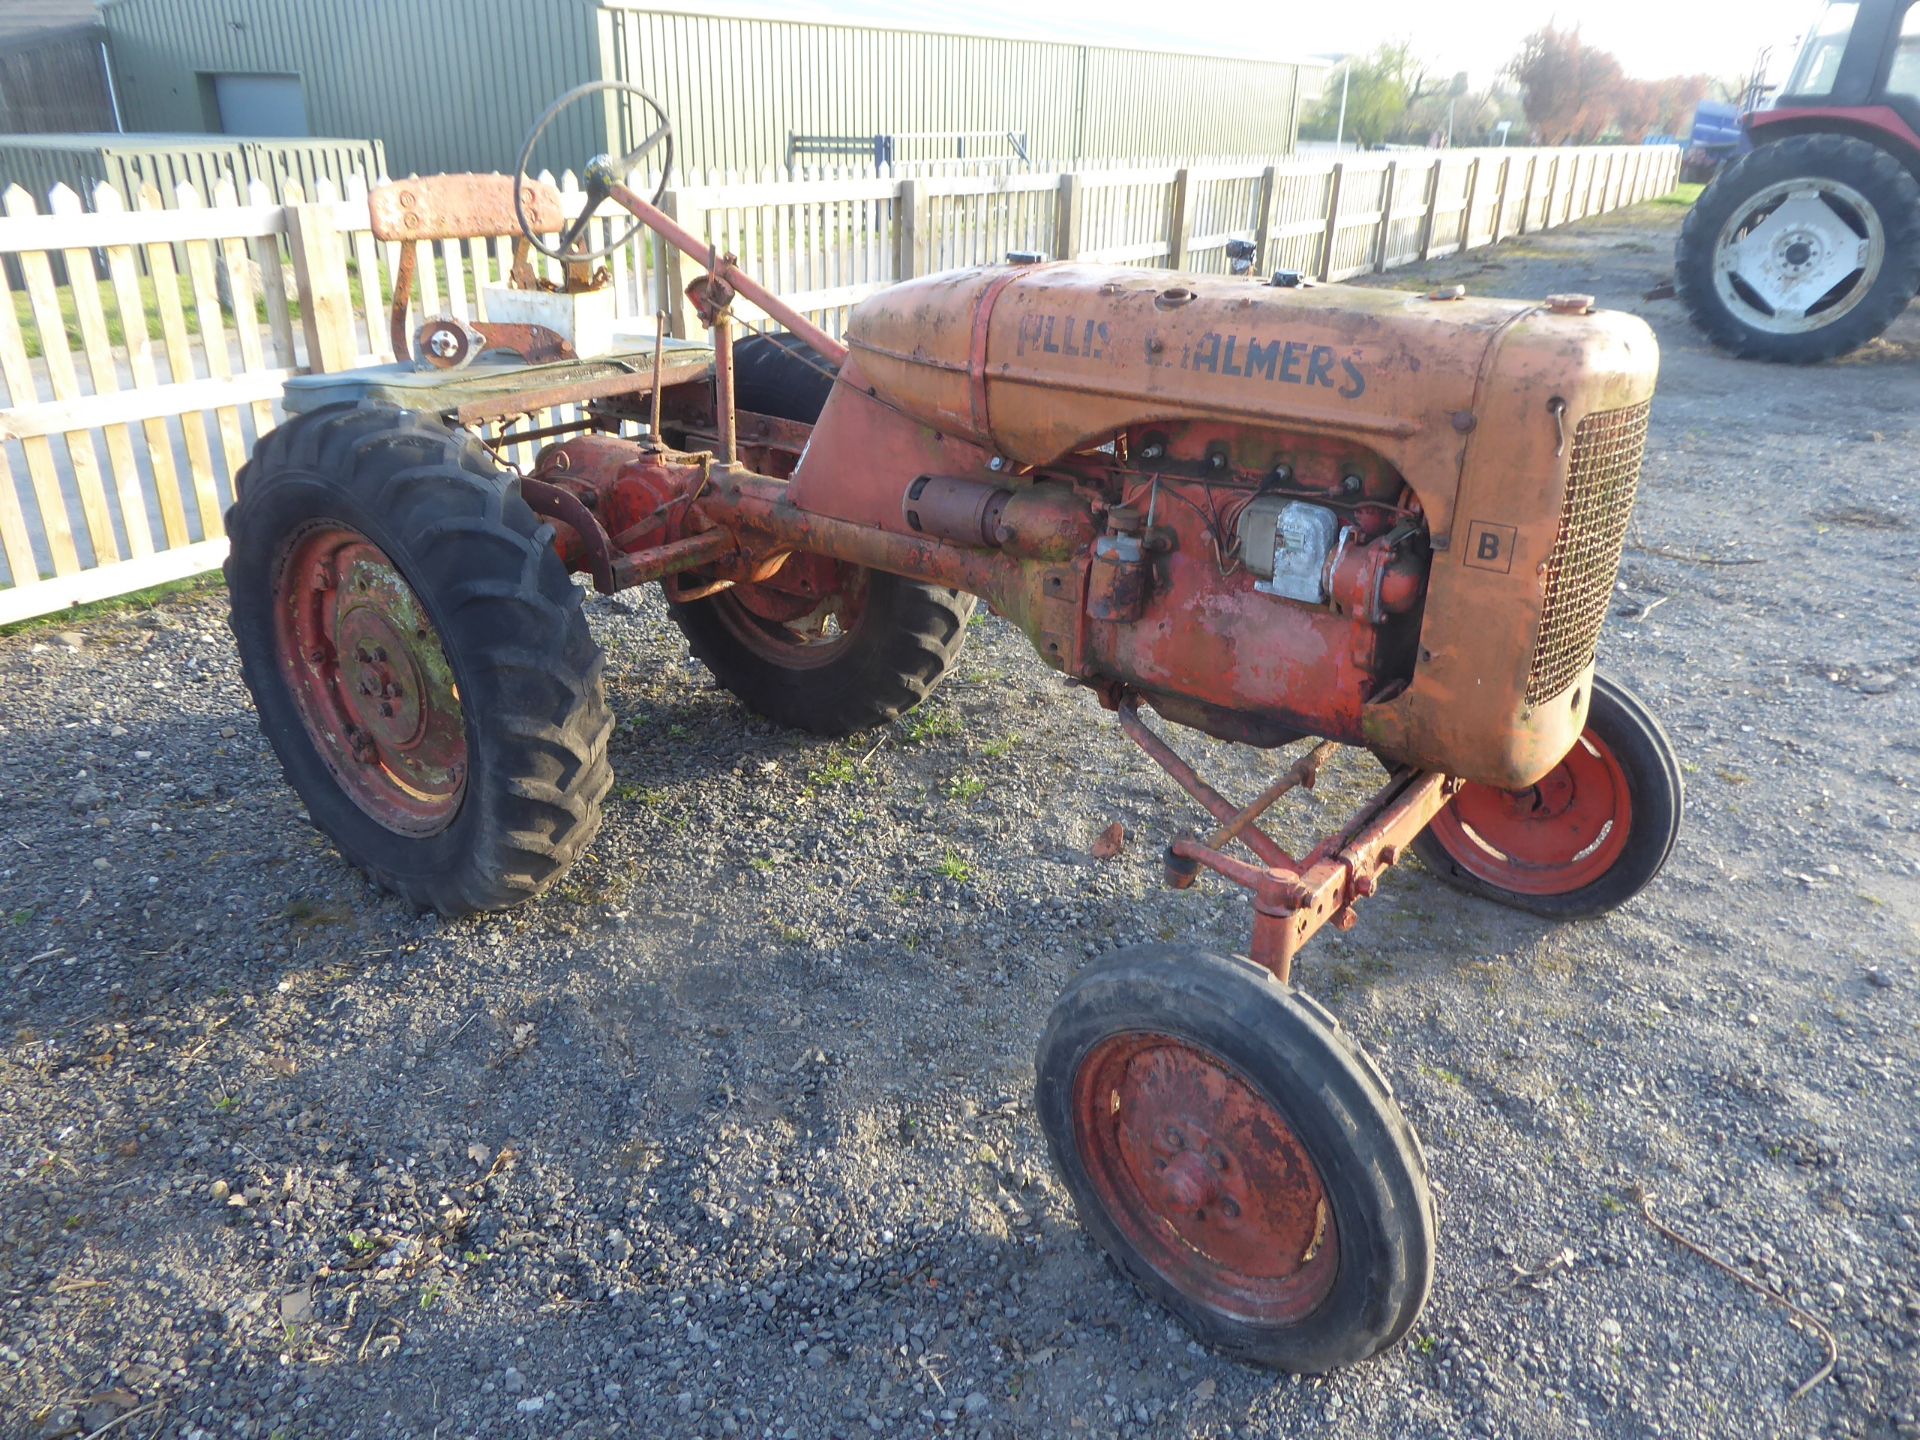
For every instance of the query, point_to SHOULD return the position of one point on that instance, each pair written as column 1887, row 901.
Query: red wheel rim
column 1205, row 1178
column 370, row 679
column 1551, row 838
column 791, row 627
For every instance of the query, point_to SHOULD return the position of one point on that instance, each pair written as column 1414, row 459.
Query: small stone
column 976, row 1403
column 220, row 1190
column 1878, row 978
column 819, row 1357
column 85, row 798
column 532, row 1405
column 513, row 1382
column 619, row 1248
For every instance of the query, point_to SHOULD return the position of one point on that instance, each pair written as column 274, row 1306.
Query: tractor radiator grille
column 1601, row 479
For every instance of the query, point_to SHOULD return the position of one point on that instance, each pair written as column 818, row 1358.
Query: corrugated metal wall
column 453, row 84
column 737, row 87
column 447, row 84
column 55, row 81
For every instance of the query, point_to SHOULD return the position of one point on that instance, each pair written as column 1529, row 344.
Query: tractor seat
column 459, row 207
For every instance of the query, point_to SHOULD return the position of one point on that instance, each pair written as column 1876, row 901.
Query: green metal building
column 454, row 84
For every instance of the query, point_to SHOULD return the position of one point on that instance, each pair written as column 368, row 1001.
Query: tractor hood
column 1034, row 361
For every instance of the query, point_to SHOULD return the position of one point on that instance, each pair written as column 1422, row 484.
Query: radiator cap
column 1570, row 304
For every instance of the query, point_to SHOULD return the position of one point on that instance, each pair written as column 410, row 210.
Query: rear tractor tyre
column 1802, row 250
column 1587, row 838
column 418, row 657
column 865, row 654
column 1237, row 1157
column 823, row 647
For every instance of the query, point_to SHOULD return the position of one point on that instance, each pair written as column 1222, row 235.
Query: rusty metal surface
column 1557, row 835
column 525, row 392
column 1205, row 1178
column 459, row 207
column 373, row 686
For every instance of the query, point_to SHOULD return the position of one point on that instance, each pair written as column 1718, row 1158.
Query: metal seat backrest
column 459, row 207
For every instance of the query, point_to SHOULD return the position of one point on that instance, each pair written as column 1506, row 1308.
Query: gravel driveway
column 733, row 1134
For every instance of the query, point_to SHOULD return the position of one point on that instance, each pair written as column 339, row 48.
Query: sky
column 1652, row 38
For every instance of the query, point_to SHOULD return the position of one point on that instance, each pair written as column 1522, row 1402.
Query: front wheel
column 1237, row 1157
column 418, row 657
column 1802, row 250
column 1589, row 836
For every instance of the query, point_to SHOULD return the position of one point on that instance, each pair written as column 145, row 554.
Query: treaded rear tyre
column 1880, row 179
column 1296, row 1073
column 903, row 641
column 525, row 672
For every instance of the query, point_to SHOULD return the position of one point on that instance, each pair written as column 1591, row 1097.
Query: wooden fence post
column 1180, row 226
column 320, row 272
column 675, row 270
column 1335, row 179
column 1472, row 202
column 1263, row 227
column 1526, row 199
column 908, row 224
column 1388, row 184
column 1066, row 217
column 1433, row 209
column 1500, row 196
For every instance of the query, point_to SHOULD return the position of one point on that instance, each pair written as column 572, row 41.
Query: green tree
column 1379, row 89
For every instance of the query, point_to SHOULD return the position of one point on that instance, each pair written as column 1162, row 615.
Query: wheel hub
column 370, row 678
column 1553, row 837
column 1206, row 1177
column 1799, row 255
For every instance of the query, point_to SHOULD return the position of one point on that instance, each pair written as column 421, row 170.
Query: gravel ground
column 733, row 1136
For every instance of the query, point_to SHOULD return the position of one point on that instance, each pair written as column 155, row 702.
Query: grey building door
column 260, row 104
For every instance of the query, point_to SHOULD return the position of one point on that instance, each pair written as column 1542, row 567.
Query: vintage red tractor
column 1391, row 521
column 1808, row 246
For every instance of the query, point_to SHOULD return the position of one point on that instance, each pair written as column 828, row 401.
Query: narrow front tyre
column 1586, row 838
column 1239, row 1159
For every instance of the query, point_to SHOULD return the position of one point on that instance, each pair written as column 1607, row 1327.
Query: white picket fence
column 143, row 352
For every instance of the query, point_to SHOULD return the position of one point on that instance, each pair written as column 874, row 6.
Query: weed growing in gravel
column 792, row 935
column 952, row 867
column 432, row 1296
column 836, row 769
column 929, row 725
column 765, row 864
column 642, row 795
column 226, row 1104
column 999, row 749
column 964, row 789
column 21, row 917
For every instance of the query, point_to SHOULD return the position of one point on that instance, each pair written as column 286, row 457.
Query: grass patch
column 134, row 602
column 1681, row 197
column 952, row 867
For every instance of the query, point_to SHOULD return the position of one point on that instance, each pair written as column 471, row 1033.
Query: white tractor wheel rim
column 1799, row 255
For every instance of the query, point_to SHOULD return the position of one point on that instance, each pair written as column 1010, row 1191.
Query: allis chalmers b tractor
column 1808, row 246
column 1389, row 521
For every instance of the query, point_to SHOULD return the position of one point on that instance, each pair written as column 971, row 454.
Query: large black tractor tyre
column 1237, row 1156
column 1867, row 213
column 872, row 652
column 418, row 657
column 1588, row 838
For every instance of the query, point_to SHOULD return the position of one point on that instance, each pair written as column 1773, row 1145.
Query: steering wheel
column 602, row 172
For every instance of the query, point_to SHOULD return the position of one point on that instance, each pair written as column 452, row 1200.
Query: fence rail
column 145, row 349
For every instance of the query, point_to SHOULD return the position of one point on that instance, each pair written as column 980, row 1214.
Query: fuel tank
column 1033, row 361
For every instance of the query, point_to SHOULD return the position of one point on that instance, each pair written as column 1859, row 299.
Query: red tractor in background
column 1808, row 246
